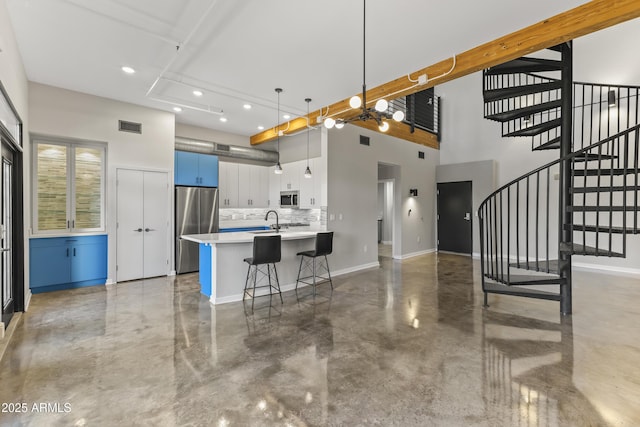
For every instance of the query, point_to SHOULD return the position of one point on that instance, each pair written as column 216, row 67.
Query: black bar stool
column 324, row 247
column 266, row 251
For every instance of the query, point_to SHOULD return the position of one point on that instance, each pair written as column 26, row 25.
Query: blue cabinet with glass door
column 67, row 262
column 193, row 169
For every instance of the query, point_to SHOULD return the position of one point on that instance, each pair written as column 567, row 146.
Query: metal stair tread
column 589, row 157
column 603, row 208
column 517, row 91
column 553, row 144
column 523, row 279
column 525, row 65
column 580, row 190
column 604, row 229
column 604, row 172
column 541, row 266
column 497, row 288
column 536, row 129
column 579, row 249
column 524, row 111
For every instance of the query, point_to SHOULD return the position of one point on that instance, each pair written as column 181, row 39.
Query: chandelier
column 380, row 112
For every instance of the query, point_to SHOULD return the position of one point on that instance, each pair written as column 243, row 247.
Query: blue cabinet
column 67, row 262
column 195, row 169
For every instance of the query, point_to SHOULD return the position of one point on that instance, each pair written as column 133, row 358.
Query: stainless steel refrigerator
column 196, row 213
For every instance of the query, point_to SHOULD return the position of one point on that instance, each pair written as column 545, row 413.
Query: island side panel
column 230, row 271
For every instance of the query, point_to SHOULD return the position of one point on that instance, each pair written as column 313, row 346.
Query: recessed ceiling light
column 260, row 127
column 286, row 116
column 177, row 109
column 197, row 92
column 223, row 119
column 128, row 70
column 247, row 106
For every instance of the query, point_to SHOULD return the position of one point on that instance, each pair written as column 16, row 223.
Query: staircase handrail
column 555, row 162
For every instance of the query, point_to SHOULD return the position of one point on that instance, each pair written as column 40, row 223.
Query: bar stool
column 324, row 247
column 266, row 251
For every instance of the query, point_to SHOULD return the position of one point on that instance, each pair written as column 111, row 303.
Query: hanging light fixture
column 278, row 169
column 381, row 110
column 307, row 171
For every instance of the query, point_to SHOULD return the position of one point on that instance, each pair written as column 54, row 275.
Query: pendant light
column 380, row 113
column 278, row 169
column 307, row 172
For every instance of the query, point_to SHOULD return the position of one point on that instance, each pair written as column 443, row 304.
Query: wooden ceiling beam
column 403, row 131
column 582, row 20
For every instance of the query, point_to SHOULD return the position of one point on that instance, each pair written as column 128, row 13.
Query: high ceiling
column 238, row 51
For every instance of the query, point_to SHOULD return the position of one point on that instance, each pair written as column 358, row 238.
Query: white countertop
column 246, row 236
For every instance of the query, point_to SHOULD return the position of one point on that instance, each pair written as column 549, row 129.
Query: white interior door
column 130, row 222
column 142, row 218
column 156, row 223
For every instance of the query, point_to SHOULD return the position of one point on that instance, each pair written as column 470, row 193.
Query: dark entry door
column 454, row 217
column 6, row 235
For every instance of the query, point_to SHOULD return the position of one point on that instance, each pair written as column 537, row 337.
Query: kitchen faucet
column 277, row 221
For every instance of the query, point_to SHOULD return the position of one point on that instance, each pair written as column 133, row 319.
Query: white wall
column 14, row 80
column 67, row 114
column 353, row 193
column 603, row 57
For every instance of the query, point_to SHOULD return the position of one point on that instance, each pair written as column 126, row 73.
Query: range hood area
column 245, row 154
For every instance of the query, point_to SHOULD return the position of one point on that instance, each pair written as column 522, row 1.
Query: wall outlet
column 332, row 217
column 340, row 217
column 418, row 239
column 365, row 248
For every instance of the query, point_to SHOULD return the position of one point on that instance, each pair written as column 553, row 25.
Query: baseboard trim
column 623, row 271
column 415, row 254
column 292, row 286
column 27, row 299
column 4, row 342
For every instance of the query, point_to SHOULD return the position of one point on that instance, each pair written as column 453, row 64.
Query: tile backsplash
column 285, row 215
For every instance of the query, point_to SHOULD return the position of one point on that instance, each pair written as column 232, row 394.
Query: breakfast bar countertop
column 245, row 236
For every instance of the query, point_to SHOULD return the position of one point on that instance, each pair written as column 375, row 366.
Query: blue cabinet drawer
column 67, row 262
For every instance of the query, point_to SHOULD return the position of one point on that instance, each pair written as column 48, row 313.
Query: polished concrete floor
column 404, row 345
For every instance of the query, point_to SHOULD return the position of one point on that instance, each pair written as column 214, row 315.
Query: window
column 69, row 187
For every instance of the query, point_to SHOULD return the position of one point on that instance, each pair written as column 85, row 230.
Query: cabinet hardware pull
column 74, row 251
column 67, row 252
column 139, row 230
column 149, row 229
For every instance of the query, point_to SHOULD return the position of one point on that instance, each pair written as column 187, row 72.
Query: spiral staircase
column 585, row 202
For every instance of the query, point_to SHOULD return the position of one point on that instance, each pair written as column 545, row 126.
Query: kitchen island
column 223, row 271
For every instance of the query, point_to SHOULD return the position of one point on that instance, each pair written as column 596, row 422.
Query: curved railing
column 520, row 222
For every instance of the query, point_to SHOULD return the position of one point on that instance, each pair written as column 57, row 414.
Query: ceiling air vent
column 124, row 126
column 222, row 147
column 364, row 140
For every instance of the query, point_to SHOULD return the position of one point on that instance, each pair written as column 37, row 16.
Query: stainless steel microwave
column 288, row 199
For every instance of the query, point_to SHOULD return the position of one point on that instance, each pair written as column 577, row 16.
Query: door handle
column 5, row 249
column 139, row 230
column 149, row 229
column 467, row 216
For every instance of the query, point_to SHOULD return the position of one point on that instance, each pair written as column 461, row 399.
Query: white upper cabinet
column 228, row 184
column 253, row 186
column 312, row 195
